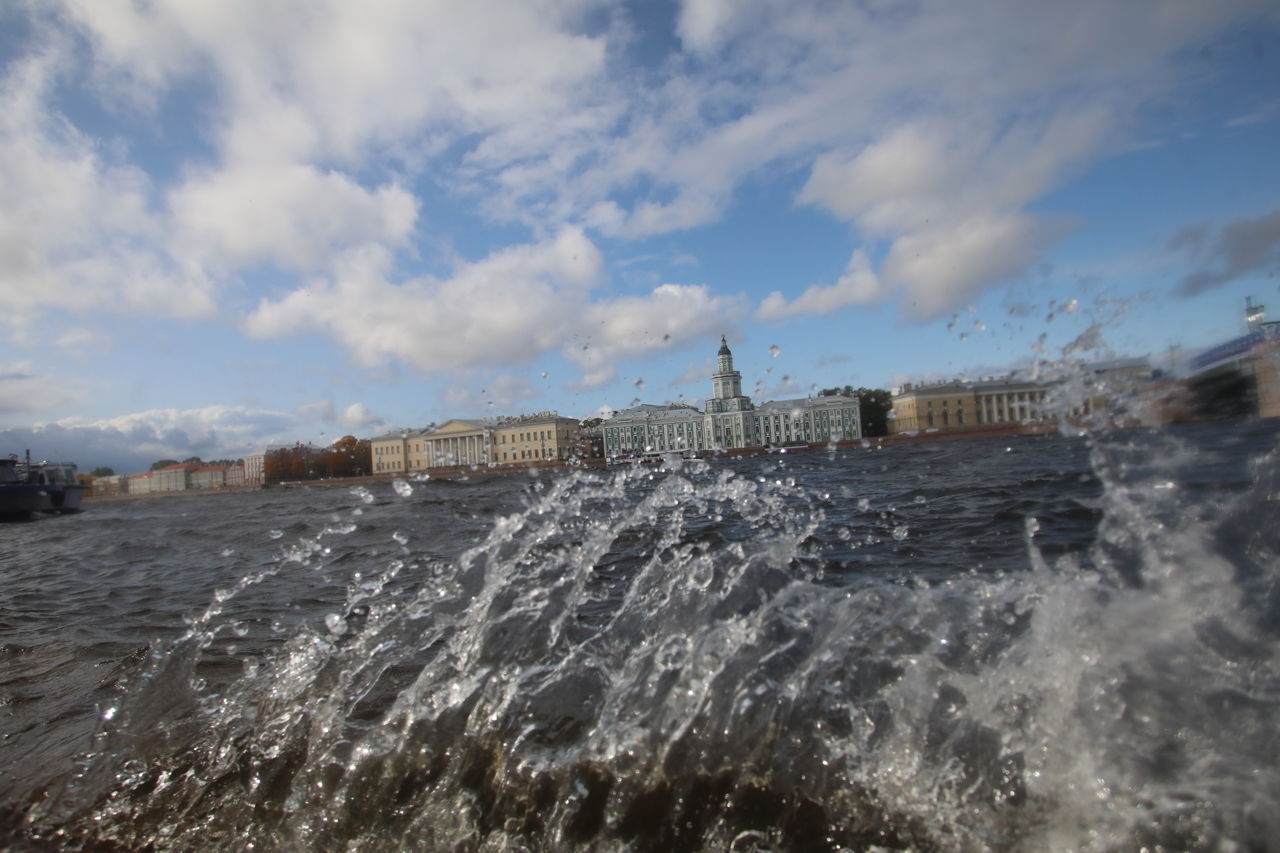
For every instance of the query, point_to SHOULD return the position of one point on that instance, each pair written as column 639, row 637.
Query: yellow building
column 390, row 452
column 457, row 442
column 543, row 437
column 957, row 404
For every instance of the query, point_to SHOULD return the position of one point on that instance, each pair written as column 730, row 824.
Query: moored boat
column 43, row 487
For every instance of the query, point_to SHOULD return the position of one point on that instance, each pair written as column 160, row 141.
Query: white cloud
column 632, row 327
column 77, row 230
column 509, row 307
column 132, row 442
column 290, row 214
column 321, row 127
column 354, row 418
column 857, row 286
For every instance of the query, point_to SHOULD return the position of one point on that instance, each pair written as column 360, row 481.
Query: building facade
column 457, row 442
column 254, row 470
column 654, row 429
column 957, row 404
column 543, row 437
column 731, row 420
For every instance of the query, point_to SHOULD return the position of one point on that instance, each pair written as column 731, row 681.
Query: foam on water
column 673, row 660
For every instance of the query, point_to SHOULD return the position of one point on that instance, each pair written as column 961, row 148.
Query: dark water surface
column 1022, row 644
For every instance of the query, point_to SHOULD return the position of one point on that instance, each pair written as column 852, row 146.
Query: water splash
column 690, row 659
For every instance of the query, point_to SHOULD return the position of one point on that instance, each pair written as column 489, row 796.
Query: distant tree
column 102, row 471
column 163, row 463
column 348, row 457
column 873, row 407
column 193, row 460
column 591, row 423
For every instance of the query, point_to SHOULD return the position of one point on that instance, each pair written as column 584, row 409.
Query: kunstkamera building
column 731, row 420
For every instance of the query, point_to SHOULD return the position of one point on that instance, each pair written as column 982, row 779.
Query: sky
column 229, row 226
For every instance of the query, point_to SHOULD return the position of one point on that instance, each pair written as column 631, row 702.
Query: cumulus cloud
column 321, row 133
column 291, row 215
column 631, row 327
column 509, row 307
column 857, row 286
column 132, row 442
column 77, row 229
column 354, row 418
column 1244, row 247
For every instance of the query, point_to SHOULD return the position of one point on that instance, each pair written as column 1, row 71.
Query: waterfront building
column 956, row 404
column 541, row 437
column 234, row 477
column 112, row 484
column 731, row 420
column 254, row 470
column 812, row 420
column 173, row 478
column 1103, row 386
column 457, row 442
column 399, row 451
column 209, row 477
column 654, row 429
column 140, row 484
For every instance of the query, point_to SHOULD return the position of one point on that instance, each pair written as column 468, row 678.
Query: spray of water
column 665, row 660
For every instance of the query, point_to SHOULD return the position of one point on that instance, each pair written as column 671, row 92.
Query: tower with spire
column 728, row 412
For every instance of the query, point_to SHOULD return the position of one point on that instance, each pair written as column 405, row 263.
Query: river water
column 1033, row 643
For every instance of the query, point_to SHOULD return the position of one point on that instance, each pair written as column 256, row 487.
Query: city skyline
column 231, row 227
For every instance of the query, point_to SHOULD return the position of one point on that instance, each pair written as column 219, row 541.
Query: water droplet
column 900, row 532
column 335, row 623
column 544, row 374
column 400, row 537
column 639, row 384
column 773, row 351
column 403, row 489
column 363, row 494
column 864, row 504
column 227, row 552
column 275, row 534
column 979, row 325
column 921, row 499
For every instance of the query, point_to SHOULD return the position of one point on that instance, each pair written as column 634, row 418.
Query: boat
column 27, row 488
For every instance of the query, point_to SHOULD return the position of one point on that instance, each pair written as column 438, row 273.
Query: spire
column 724, row 347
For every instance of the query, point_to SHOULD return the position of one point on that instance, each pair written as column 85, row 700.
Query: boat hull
column 25, row 499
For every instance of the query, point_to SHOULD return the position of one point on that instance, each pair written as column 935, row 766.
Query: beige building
column 457, row 442
column 957, row 404
column 544, row 437
column 401, row 451
column 390, row 452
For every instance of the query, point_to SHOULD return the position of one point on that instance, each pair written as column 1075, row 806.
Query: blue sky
column 227, row 226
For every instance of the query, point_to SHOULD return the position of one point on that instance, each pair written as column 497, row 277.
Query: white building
column 731, row 420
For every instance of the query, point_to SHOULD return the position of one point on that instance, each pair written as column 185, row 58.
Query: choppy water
column 1022, row 644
